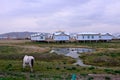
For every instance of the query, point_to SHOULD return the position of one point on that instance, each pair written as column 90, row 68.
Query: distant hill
column 17, row 35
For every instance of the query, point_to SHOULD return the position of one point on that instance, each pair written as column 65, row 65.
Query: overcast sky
column 66, row 15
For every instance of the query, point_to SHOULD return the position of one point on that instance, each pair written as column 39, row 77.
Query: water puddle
column 73, row 52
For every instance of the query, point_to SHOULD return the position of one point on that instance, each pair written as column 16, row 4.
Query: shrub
column 9, row 67
column 49, row 67
column 110, row 71
column 90, row 78
column 57, row 68
column 84, row 74
column 73, row 68
column 107, row 78
column 117, row 71
column 91, row 68
column 68, row 68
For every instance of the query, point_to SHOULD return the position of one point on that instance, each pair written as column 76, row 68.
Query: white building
column 118, row 37
column 38, row 37
column 87, row 36
column 106, row 37
column 61, row 36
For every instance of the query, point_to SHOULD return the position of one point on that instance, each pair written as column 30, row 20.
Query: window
column 41, row 37
column 83, row 37
column 99, row 36
column 92, row 36
column 88, row 36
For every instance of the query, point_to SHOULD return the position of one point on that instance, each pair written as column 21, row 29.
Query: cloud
column 69, row 15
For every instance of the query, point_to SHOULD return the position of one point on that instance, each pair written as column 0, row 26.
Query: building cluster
column 61, row 36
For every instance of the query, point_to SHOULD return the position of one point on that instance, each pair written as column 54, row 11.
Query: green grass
column 8, row 50
column 52, row 65
column 106, row 58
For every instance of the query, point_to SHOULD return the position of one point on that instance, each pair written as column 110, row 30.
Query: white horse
column 28, row 60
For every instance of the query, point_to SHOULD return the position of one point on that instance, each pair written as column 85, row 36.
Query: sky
column 64, row 15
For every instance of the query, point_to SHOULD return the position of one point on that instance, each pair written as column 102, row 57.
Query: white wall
column 37, row 38
column 106, row 37
column 61, row 38
column 87, row 37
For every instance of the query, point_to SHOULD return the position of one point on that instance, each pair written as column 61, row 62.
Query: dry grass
column 20, row 44
column 33, row 49
column 13, row 41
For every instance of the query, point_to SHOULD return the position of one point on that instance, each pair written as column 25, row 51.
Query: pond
column 73, row 52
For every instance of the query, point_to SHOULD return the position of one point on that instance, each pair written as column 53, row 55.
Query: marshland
column 104, row 59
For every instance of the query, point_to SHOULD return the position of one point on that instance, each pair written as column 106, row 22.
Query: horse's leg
column 24, row 65
column 31, row 65
column 31, row 68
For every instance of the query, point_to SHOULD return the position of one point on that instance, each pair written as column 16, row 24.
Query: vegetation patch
column 57, row 67
column 109, row 58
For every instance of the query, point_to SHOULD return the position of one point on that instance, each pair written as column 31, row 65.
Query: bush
column 57, row 68
column 68, row 68
column 109, row 71
column 117, row 71
column 73, row 68
column 107, row 78
column 49, row 67
column 9, row 67
column 84, row 74
column 91, row 68
column 90, row 78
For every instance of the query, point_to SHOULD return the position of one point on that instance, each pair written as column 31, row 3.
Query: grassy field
column 49, row 65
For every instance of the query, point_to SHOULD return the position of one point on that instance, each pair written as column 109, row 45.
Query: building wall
column 106, row 37
column 61, row 38
column 87, row 37
column 33, row 38
column 38, row 38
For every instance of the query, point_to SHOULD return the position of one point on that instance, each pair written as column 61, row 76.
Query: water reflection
column 73, row 52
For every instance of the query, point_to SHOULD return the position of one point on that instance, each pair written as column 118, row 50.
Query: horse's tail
column 32, row 62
